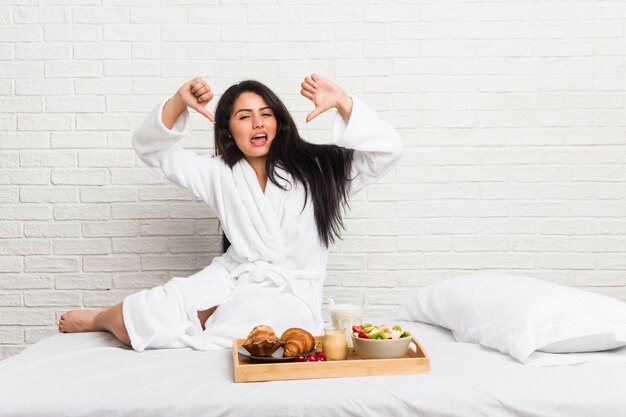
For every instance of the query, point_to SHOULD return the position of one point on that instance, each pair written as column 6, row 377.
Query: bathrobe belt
column 266, row 274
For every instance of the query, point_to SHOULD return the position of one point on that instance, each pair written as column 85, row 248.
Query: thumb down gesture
column 325, row 95
column 196, row 94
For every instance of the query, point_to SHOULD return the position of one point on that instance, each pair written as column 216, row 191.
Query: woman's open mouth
column 259, row 140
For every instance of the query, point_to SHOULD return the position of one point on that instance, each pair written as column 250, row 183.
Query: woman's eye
column 268, row 114
column 243, row 117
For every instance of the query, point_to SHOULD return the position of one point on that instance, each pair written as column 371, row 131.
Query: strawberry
column 357, row 329
column 363, row 335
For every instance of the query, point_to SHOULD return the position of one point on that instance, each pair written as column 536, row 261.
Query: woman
column 280, row 202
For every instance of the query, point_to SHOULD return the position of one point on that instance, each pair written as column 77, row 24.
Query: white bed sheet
column 92, row 374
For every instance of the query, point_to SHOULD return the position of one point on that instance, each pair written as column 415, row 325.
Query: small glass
column 334, row 345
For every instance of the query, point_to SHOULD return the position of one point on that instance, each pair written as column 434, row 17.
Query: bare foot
column 77, row 321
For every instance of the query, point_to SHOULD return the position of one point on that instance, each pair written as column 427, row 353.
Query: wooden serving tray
column 416, row 361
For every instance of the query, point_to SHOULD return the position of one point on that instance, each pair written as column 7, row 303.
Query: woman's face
column 252, row 125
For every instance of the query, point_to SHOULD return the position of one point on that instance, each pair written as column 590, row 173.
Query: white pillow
column 520, row 316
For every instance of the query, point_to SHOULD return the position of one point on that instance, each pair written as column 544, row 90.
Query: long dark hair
column 324, row 170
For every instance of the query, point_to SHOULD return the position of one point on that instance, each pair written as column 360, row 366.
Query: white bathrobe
column 274, row 271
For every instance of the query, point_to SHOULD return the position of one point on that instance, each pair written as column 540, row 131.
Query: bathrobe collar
column 264, row 232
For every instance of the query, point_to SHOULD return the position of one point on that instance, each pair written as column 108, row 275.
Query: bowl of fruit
column 380, row 342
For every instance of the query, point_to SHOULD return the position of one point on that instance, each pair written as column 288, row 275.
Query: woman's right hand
column 196, row 94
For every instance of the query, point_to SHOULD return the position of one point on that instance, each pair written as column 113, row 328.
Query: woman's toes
column 77, row 321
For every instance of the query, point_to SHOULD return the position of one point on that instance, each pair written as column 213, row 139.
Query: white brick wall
column 512, row 113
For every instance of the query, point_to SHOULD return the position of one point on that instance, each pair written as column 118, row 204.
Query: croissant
column 262, row 341
column 297, row 341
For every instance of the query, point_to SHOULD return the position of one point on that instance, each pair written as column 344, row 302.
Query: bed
column 91, row 374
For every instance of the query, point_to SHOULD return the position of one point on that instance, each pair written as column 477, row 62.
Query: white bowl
column 381, row 348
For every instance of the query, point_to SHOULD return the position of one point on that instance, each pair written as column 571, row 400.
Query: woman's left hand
column 325, row 94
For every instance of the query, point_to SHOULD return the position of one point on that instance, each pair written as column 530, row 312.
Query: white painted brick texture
column 512, row 115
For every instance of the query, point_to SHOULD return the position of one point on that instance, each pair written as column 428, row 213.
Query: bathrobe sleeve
column 158, row 147
column 377, row 145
